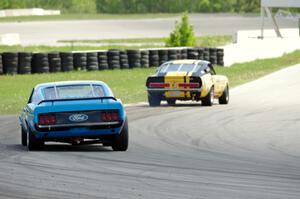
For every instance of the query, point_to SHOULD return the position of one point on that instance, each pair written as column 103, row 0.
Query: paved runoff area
column 49, row 32
column 247, row 149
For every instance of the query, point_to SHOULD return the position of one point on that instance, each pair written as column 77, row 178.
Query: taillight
column 109, row 116
column 47, row 119
column 159, row 85
column 190, row 85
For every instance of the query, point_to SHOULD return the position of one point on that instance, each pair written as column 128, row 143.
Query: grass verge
column 68, row 17
column 205, row 41
column 129, row 85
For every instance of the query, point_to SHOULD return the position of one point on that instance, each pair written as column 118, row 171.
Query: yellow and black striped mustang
column 187, row 80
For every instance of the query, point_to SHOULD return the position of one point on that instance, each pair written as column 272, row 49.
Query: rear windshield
column 177, row 68
column 73, row 91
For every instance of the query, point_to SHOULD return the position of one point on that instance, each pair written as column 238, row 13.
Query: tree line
column 137, row 6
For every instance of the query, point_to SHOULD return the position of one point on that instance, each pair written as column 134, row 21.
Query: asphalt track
column 247, row 149
column 48, row 32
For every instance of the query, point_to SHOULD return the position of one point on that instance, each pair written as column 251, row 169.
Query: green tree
column 183, row 34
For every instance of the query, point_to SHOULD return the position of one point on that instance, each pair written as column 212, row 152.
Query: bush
column 183, row 34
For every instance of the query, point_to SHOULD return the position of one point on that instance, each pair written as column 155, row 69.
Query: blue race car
column 75, row 112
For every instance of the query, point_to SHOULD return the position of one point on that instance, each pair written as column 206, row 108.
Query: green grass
column 129, row 85
column 67, row 48
column 85, row 17
column 205, row 41
column 241, row 73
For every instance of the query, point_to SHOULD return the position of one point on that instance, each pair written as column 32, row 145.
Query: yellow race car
column 194, row 80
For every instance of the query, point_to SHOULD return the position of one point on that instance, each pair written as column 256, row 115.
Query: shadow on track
column 62, row 148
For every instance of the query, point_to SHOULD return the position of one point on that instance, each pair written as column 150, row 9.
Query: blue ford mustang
column 75, row 112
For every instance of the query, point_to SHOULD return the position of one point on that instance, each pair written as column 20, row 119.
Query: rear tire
column 224, row 99
column 208, row 100
column 23, row 137
column 154, row 99
column 33, row 143
column 120, row 141
column 171, row 102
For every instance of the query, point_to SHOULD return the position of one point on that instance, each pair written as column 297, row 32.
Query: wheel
column 33, row 143
column 154, row 99
column 171, row 102
column 23, row 137
column 120, row 142
column 209, row 99
column 224, row 99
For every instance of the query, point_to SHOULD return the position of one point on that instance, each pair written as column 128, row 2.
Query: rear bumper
column 65, row 132
column 171, row 89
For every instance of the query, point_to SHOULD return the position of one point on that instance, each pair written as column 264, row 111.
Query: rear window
column 73, row 91
column 187, row 68
column 169, row 68
column 177, row 68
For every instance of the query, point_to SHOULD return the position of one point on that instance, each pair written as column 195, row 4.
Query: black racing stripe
column 184, row 81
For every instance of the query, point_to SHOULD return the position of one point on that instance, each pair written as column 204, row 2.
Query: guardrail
column 27, row 62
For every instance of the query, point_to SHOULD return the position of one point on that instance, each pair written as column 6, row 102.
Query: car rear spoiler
column 77, row 99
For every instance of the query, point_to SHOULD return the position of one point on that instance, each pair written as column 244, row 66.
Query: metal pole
column 276, row 27
column 262, row 22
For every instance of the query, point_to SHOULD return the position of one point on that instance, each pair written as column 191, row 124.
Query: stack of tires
column 200, row 53
column 10, row 62
column 92, row 61
column 206, row 54
column 40, row 63
column 172, row 54
column 66, row 61
column 213, row 55
column 24, row 62
column 124, row 59
column 54, row 62
column 163, row 56
column 184, row 53
column 134, row 58
column 102, row 60
column 145, row 58
column 192, row 53
column 1, row 65
column 153, row 58
column 220, row 57
column 113, row 59
column 178, row 54
column 80, row 61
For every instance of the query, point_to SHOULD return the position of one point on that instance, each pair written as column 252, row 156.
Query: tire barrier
column 113, row 59
column 92, row 61
column 220, row 57
column 67, row 63
column 206, row 54
column 192, row 53
column 172, row 54
column 184, row 54
column 54, row 62
column 27, row 62
column 134, row 58
column 80, row 61
column 145, row 59
column 1, row 64
column 124, row 59
column 24, row 62
column 102, row 60
column 200, row 53
column 153, row 58
column 163, row 56
column 10, row 63
column 40, row 63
